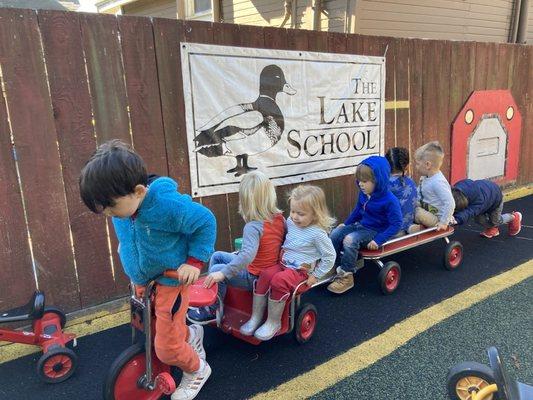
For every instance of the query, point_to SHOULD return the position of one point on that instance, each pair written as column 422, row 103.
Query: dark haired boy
column 483, row 200
column 375, row 219
column 157, row 229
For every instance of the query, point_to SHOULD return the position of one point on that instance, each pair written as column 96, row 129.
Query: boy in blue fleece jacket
column 157, row 229
column 375, row 219
column 483, row 200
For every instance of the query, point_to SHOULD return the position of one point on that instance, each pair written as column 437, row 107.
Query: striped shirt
column 310, row 245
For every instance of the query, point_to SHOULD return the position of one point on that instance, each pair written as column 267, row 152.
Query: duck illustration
column 247, row 129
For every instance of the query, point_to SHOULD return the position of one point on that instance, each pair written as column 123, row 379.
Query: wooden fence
column 71, row 81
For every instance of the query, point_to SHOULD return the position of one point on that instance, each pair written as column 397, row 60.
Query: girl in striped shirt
column 307, row 255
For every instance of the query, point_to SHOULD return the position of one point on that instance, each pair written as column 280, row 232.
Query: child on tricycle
column 157, row 229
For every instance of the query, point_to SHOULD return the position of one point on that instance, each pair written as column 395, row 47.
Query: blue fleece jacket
column 167, row 229
column 483, row 197
column 381, row 211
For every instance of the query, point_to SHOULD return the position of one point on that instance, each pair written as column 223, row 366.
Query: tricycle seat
column 200, row 296
column 33, row 310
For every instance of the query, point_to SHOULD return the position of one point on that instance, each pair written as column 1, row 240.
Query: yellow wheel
column 468, row 378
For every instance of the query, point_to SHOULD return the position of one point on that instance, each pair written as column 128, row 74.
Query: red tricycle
column 390, row 272
column 58, row 362
column 236, row 309
column 137, row 373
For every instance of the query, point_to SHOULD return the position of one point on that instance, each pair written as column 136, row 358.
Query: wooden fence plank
column 138, row 54
column 108, row 93
column 73, row 120
column 416, row 57
column 462, row 71
column 199, row 33
column 16, row 273
column 167, row 36
column 401, row 78
column 30, row 112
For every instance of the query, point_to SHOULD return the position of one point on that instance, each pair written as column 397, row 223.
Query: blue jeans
column 243, row 279
column 347, row 241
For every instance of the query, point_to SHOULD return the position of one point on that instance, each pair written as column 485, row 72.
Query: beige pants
column 425, row 218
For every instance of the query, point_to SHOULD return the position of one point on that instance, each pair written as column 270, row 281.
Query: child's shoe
column 202, row 315
column 414, row 228
column 196, row 339
column 192, row 383
column 516, row 224
column 273, row 323
column 490, row 232
column 258, row 310
column 342, row 283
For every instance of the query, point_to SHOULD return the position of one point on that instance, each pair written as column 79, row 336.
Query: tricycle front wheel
column 125, row 375
column 468, row 378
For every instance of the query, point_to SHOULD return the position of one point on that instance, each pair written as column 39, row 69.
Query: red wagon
column 390, row 272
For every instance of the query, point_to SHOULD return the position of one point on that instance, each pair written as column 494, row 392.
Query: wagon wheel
column 305, row 323
column 389, row 277
column 453, row 255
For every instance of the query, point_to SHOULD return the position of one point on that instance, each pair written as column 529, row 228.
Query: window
column 199, row 9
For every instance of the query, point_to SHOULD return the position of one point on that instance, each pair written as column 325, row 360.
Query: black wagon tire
column 468, row 377
column 453, row 255
column 389, row 277
column 57, row 365
column 305, row 323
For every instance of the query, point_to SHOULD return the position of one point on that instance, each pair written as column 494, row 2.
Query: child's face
column 126, row 206
column 301, row 215
column 423, row 167
column 367, row 187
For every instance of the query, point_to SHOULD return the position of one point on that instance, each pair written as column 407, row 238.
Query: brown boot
column 342, row 282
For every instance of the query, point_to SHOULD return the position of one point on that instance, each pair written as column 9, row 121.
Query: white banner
column 296, row 116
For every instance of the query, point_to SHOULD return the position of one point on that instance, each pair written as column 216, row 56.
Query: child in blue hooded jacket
column 375, row 219
column 158, row 229
column 483, row 200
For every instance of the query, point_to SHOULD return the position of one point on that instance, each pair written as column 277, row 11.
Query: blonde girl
column 307, row 255
column 261, row 242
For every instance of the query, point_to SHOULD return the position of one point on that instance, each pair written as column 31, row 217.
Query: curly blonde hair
column 314, row 198
column 257, row 197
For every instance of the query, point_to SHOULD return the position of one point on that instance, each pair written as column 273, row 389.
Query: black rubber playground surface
column 241, row 370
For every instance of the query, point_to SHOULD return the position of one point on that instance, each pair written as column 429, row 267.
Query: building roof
column 67, row 5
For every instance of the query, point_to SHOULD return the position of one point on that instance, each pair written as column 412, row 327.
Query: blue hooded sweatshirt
column 483, row 197
column 381, row 211
column 167, row 229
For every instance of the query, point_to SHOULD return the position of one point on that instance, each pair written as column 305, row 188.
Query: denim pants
column 243, row 279
column 347, row 241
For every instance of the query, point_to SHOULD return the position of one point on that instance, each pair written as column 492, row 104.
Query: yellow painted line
column 396, row 104
column 82, row 326
column 373, row 350
column 517, row 193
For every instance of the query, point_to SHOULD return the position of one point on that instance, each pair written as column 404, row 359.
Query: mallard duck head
column 272, row 81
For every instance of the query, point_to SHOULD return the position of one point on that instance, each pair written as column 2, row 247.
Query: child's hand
column 311, row 280
column 442, row 227
column 340, row 225
column 139, row 291
column 213, row 277
column 187, row 274
column 372, row 245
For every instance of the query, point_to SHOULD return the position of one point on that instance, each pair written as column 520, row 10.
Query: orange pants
column 171, row 331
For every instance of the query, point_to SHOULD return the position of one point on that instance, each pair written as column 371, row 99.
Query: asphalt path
column 241, row 370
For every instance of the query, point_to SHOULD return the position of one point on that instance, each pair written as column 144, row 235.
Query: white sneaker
column 196, row 339
column 192, row 383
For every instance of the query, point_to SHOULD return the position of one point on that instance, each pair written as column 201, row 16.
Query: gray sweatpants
column 494, row 218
